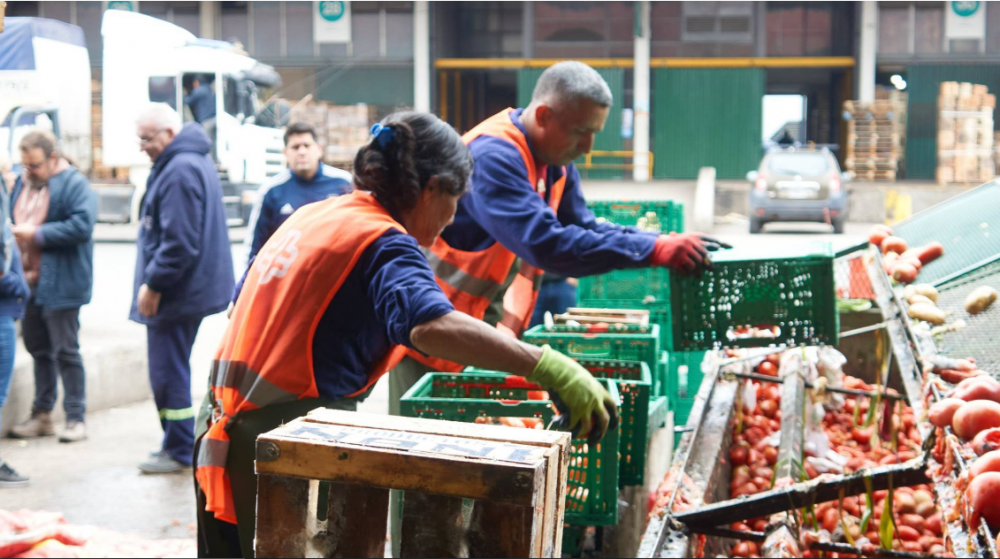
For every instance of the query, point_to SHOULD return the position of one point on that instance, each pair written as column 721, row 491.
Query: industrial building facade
column 711, row 63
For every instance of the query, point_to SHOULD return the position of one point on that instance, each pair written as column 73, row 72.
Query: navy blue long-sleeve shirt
column 502, row 206
column 390, row 291
column 202, row 102
column 286, row 192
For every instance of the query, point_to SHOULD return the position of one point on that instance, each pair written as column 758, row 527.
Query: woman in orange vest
column 334, row 299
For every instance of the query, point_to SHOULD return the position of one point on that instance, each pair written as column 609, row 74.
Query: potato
column 918, row 299
column 909, row 291
column 927, row 313
column 980, row 299
column 904, row 272
column 927, row 290
column 974, row 417
column 942, row 412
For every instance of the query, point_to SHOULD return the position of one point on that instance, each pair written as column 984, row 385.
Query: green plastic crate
column 658, row 410
column 628, row 212
column 792, row 289
column 641, row 284
column 592, row 487
column 635, row 387
column 685, row 376
column 659, row 313
column 631, row 343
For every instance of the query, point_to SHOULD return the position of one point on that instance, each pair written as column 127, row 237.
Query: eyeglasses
column 146, row 140
column 35, row 166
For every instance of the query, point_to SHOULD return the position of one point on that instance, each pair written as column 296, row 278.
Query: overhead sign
column 123, row 5
column 332, row 22
column 965, row 20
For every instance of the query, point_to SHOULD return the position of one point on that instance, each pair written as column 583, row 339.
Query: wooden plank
column 355, row 522
column 435, row 526
column 281, row 516
column 550, row 523
column 534, row 437
column 502, row 472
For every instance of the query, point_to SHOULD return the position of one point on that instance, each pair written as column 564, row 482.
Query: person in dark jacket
column 54, row 211
column 13, row 296
column 184, row 269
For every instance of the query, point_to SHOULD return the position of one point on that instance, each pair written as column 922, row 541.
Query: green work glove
column 590, row 405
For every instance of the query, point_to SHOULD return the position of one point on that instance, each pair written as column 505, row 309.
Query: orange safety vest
column 472, row 279
column 266, row 355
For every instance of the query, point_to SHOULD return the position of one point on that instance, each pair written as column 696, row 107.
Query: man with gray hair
column 54, row 210
column 183, row 272
column 525, row 213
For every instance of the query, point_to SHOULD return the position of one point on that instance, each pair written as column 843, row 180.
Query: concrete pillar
column 207, row 13
column 421, row 56
column 867, row 51
column 527, row 29
column 640, row 93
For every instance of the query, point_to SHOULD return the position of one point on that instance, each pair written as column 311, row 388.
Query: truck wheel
column 756, row 225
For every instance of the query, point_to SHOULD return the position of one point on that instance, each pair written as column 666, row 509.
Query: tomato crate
column 659, row 313
column 665, row 213
column 592, row 486
column 619, row 343
column 641, row 284
column 635, row 387
column 754, row 297
column 658, row 410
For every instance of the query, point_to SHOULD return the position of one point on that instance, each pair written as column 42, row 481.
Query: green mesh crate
column 658, row 410
column 630, row 343
column 684, row 376
column 668, row 215
column 790, row 291
column 659, row 312
column 592, row 487
column 641, row 284
column 635, row 387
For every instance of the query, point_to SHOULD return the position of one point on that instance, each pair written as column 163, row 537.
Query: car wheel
column 756, row 225
column 838, row 227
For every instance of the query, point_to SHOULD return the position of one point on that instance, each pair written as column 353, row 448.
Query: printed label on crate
column 414, row 442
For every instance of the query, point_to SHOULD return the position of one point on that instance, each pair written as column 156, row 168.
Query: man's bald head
column 568, row 83
column 568, row 108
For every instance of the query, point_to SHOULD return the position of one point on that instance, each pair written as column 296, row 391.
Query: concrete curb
column 117, row 374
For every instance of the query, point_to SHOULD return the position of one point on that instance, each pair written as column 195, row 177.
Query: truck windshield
column 808, row 164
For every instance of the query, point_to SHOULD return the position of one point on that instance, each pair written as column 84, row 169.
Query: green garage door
column 706, row 118
column 924, row 82
column 374, row 85
column 609, row 139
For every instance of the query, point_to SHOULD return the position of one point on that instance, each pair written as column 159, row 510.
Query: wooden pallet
column 349, row 461
column 872, row 175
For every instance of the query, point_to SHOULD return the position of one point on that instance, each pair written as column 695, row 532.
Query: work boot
column 162, row 463
column 40, row 425
column 75, row 431
column 10, row 479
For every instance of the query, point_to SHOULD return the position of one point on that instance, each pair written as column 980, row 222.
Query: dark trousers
column 217, row 538
column 169, row 348
column 555, row 297
column 52, row 337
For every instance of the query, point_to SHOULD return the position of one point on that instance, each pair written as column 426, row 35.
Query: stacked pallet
column 965, row 136
column 98, row 172
column 341, row 129
column 901, row 100
column 874, row 138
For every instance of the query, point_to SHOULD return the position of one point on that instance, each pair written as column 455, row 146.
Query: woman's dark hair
column 422, row 146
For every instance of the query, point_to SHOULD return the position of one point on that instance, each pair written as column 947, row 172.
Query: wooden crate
column 323, row 484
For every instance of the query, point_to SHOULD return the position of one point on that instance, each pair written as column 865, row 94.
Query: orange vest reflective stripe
column 265, row 357
column 471, row 280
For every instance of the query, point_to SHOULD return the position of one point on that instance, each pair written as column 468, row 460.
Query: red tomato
column 767, row 368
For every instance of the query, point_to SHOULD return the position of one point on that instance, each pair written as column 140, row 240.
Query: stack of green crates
column 789, row 288
column 592, row 491
column 669, row 215
column 619, row 343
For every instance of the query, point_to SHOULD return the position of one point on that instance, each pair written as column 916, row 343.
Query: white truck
column 45, row 82
column 150, row 60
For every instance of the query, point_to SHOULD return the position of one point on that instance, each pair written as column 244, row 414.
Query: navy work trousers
column 169, row 348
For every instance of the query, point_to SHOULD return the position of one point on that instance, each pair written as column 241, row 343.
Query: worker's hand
column 685, row 252
column 591, row 407
column 148, row 301
column 24, row 233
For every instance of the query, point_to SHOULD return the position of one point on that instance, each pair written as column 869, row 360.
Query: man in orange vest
column 525, row 212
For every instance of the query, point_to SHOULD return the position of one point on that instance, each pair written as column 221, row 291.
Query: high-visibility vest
column 472, row 279
column 265, row 357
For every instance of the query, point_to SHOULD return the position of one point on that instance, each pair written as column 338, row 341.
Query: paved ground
column 97, row 482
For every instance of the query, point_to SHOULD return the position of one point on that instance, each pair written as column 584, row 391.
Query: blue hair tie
column 383, row 134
